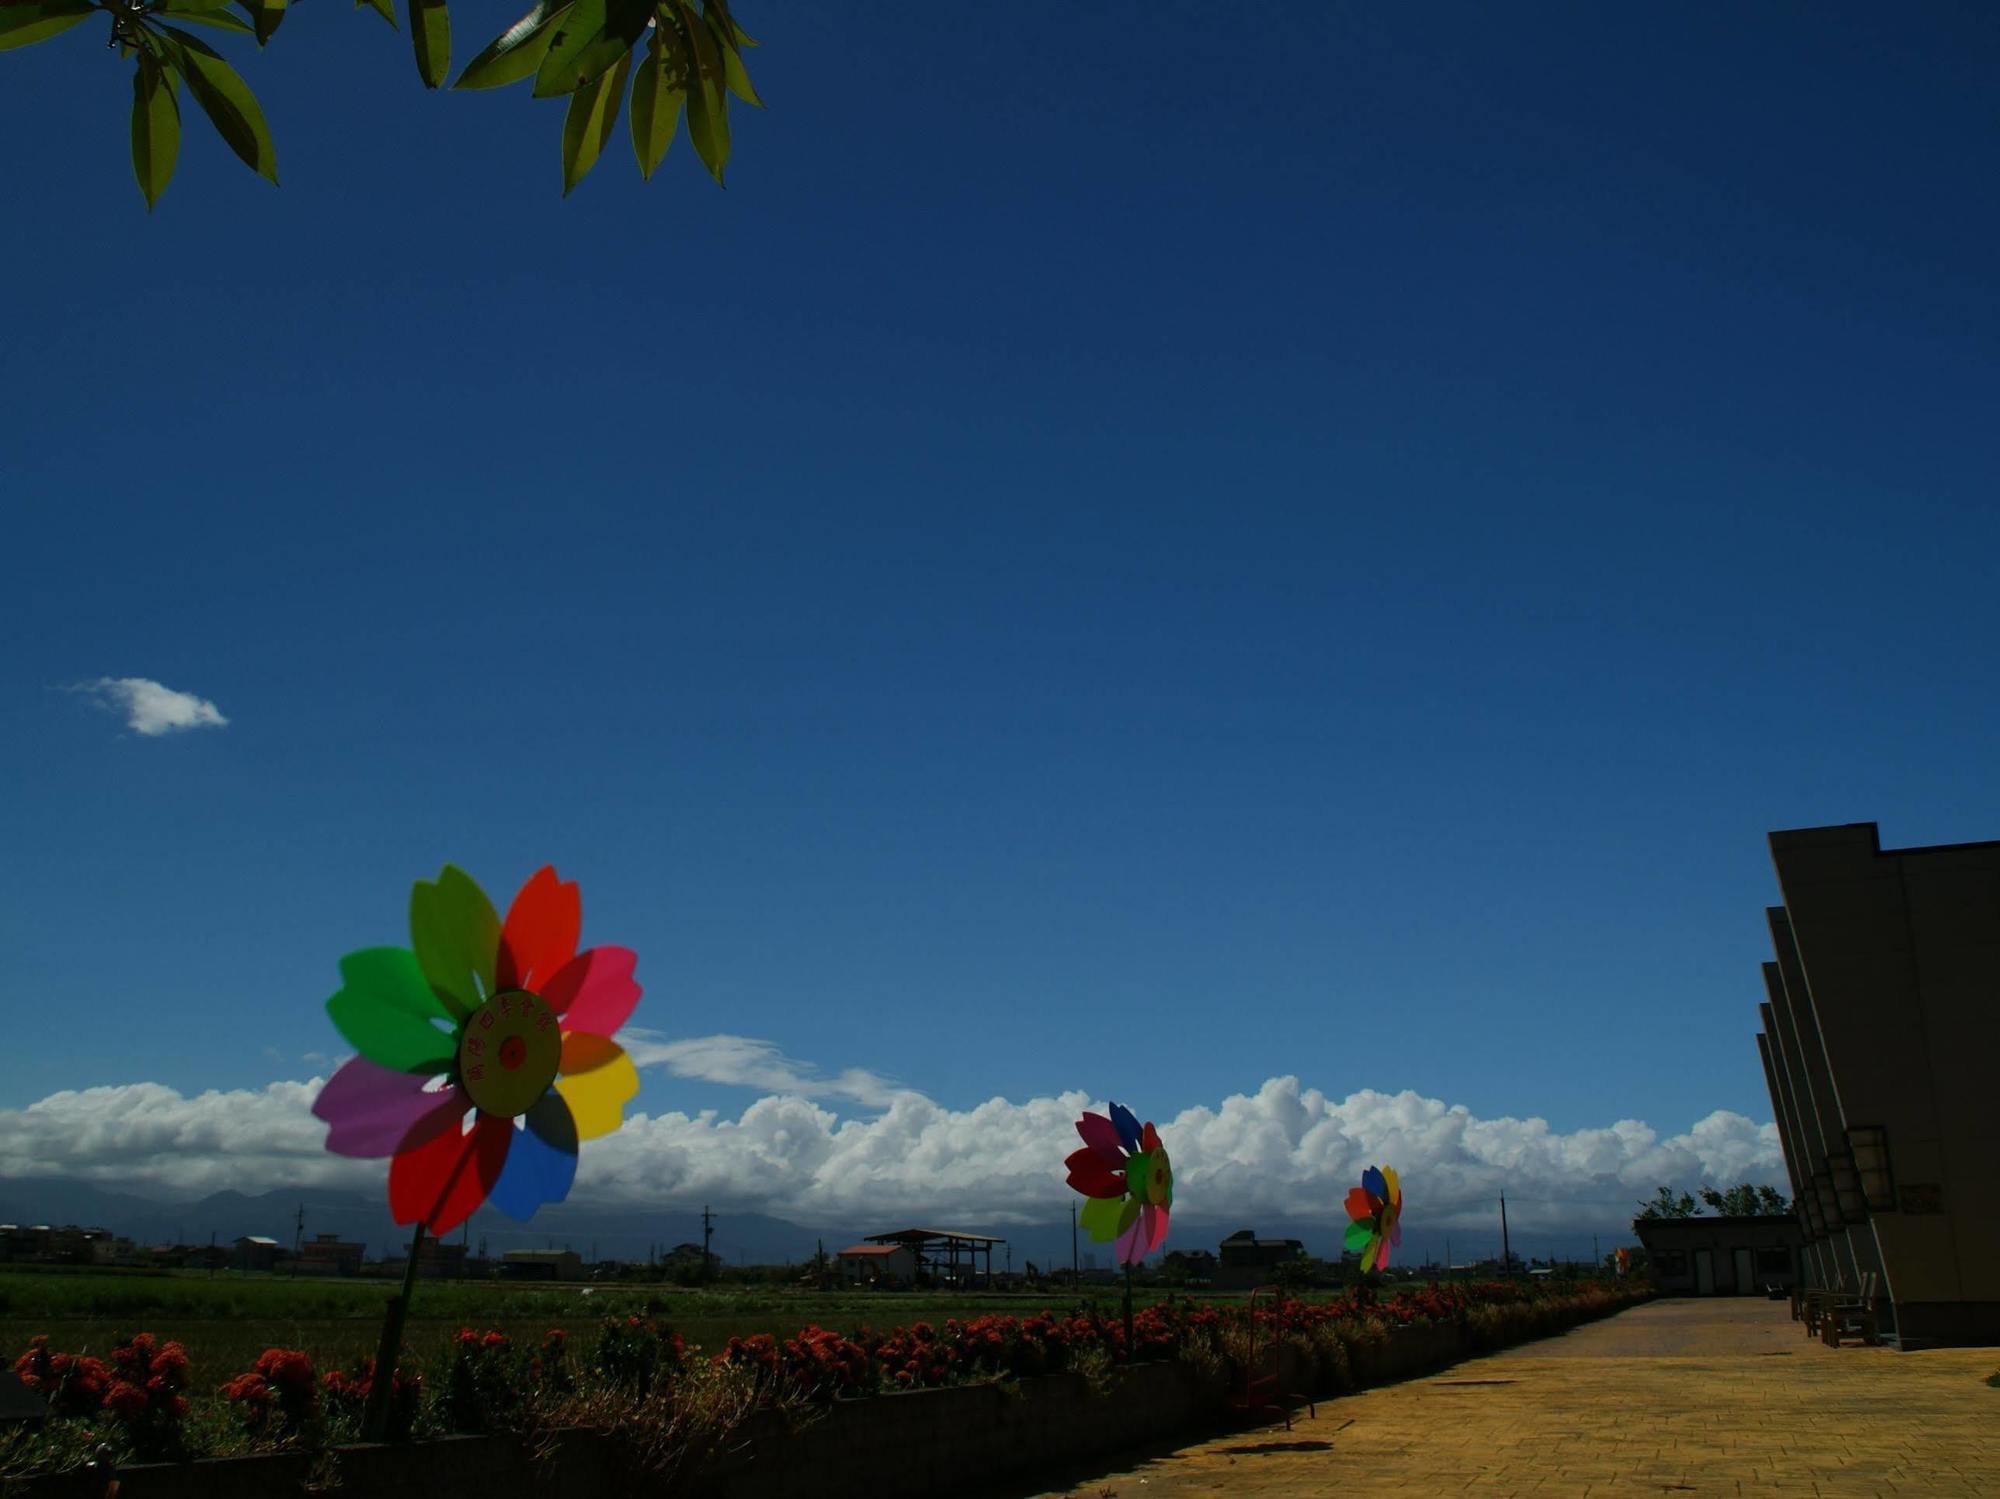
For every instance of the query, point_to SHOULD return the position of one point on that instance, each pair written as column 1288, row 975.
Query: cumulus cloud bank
column 152, row 708
column 1283, row 1151
column 747, row 1063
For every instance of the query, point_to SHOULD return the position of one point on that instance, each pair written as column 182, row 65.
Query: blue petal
column 1126, row 1125
column 541, row 1162
column 1375, row 1184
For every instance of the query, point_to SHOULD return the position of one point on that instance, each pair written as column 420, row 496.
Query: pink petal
column 1159, row 1227
column 1131, row 1246
column 594, row 991
column 372, row 1108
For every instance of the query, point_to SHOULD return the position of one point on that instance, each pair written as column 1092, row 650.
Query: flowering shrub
column 345, row 1396
column 636, row 1353
column 281, row 1381
column 72, row 1384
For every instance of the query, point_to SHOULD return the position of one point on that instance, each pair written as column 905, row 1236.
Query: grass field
column 227, row 1320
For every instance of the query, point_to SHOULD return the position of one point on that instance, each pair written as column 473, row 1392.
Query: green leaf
column 583, row 59
column 270, row 14
column 580, row 25
column 593, row 115
column 735, row 77
column 24, row 25
column 707, row 102
column 430, row 39
column 657, row 91
column 382, row 8
column 738, row 36
column 221, row 20
column 517, row 51
column 225, row 98
column 156, row 129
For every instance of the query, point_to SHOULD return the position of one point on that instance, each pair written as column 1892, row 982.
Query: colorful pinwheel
column 1123, row 1169
column 1376, row 1206
column 485, row 1051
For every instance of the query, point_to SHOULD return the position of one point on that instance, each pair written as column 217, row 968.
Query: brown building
column 1245, row 1260
column 541, row 1264
column 329, row 1254
column 1722, row 1256
column 1881, row 1033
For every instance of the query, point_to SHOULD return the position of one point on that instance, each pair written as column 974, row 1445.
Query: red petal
column 1089, row 1176
column 594, row 991
column 541, row 930
column 1101, row 1135
column 442, row 1172
column 1360, row 1206
column 1149, row 1138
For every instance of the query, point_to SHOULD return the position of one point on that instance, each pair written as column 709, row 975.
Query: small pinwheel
column 1376, row 1206
column 1123, row 1169
column 485, row 1051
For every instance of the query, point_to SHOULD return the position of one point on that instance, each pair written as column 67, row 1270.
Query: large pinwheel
column 1376, row 1206
column 1123, row 1169
column 485, row 1051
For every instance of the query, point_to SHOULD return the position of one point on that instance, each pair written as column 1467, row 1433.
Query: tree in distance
column 678, row 56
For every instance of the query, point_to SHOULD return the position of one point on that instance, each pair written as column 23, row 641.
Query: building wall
column 1897, row 955
column 1672, row 1244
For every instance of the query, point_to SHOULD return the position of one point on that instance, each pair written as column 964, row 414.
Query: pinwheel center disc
column 507, row 1057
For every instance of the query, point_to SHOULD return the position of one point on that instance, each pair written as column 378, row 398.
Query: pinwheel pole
column 375, row 1415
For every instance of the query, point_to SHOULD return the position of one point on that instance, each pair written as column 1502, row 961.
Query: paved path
column 1717, row 1397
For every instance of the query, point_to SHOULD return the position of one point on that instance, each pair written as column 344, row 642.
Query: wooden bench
column 1855, row 1317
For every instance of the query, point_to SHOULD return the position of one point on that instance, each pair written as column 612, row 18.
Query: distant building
column 1197, row 1266
column 1246, row 1260
column 1704, row 1256
column 255, row 1252
column 541, row 1264
column 876, row 1265
column 329, row 1254
column 688, row 1259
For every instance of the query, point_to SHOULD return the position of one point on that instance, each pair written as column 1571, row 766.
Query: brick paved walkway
column 1719, row 1396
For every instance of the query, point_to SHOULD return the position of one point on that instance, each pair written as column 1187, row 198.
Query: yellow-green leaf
column 593, row 115
column 24, row 25
column 221, row 20
column 580, row 25
column 156, row 129
column 707, row 100
column 382, row 8
column 517, row 51
column 225, row 98
column 657, row 91
column 430, row 39
column 735, row 76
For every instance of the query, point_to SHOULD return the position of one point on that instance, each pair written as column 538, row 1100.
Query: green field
column 228, row 1319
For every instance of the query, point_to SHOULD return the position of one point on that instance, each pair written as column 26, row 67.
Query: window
column 1774, row 1261
column 1672, row 1263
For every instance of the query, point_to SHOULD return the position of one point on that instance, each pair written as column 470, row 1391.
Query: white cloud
column 744, row 1062
column 1283, row 1152
column 152, row 708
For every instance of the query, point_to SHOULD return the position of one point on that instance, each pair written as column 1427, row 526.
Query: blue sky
column 1130, row 550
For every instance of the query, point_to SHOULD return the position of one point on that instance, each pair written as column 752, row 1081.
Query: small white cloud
column 153, row 708
column 745, row 1062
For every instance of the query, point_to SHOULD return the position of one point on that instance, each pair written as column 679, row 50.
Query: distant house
column 541, row 1264
column 255, row 1252
column 876, row 1264
column 688, row 1259
column 1197, row 1266
column 1246, row 1260
column 329, row 1254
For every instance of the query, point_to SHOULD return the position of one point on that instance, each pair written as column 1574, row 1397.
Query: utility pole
column 1447, row 1256
column 1596, row 1259
column 1075, row 1265
column 1506, row 1254
column 298, row 1236
column 707, row 1228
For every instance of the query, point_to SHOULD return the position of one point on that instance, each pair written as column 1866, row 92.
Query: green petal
column 1357, row 1236
column 385, row 1009
column 457, row 937
column 1099, row 1218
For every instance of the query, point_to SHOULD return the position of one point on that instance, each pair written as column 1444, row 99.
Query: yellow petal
column 597, row 1097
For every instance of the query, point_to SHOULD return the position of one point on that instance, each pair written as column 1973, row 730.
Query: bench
column 1851, row 1317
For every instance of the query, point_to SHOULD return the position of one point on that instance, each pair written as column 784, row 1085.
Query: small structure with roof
column 941, row 1256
